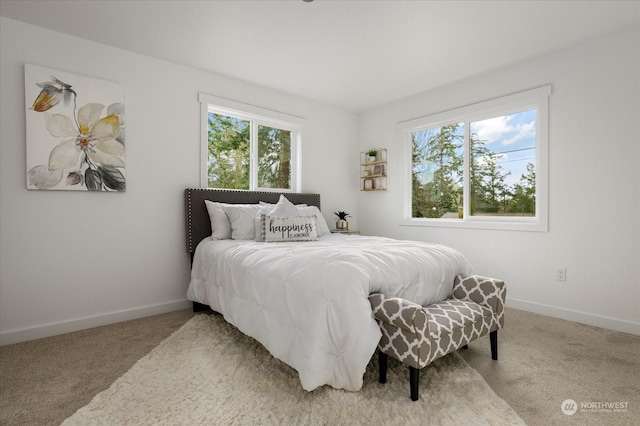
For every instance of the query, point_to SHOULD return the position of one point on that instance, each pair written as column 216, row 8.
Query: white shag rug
column 208, row 373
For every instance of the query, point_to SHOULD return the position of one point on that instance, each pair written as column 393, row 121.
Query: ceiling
column 352, row 54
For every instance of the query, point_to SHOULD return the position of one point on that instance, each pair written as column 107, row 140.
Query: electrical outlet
column 561, row 274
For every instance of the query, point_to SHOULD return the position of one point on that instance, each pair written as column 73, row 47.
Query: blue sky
column 514, row 136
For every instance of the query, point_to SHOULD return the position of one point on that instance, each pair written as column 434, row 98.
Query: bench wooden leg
column 382, row 370
column 493, row 336
column 414, row 379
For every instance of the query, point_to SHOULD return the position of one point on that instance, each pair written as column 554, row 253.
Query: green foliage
column 524, row 193
column 228, row 144
column 229, row 147
column 342, row 215
column 489, row 192
column 437, row 178
column 274, row 158
column 437, row 172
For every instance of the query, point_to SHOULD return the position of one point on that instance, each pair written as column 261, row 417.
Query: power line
column 514, row 150
column 518, row 159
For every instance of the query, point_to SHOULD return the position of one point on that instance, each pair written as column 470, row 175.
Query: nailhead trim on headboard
column 197, row 223
column 189, row 222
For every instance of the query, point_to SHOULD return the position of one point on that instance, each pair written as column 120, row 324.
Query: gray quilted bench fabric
column 417, row 335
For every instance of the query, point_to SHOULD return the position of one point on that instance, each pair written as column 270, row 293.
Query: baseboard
column 47, row 330
column 575, row 316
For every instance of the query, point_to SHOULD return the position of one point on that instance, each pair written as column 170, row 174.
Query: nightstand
column 344, row 231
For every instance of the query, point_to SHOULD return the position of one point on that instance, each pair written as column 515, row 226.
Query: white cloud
column 499, row 129
column 522, row 130
column 491, row 130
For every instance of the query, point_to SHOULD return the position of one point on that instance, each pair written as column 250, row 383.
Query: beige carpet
column 209, row 373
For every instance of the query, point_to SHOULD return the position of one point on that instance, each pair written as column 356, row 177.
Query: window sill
column 533, row 225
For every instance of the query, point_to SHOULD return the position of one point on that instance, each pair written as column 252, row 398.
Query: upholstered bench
column 417, row 335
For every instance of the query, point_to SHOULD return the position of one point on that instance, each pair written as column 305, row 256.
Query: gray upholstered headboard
column 198, row 225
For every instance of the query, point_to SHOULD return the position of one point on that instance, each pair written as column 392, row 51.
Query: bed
column 307, row 301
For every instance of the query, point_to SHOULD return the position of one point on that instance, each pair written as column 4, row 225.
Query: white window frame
column 531, row 99
column 257, row 116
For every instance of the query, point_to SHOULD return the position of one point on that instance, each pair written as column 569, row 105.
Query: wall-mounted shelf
column 373, row 170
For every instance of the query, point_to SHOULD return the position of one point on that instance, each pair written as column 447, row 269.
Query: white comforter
column 307, row 302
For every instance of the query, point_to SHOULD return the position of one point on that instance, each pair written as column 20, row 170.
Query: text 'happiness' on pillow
column 293, row 228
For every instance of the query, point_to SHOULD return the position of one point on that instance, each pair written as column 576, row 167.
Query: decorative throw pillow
column 220, row 224
column 323, row 228
column 242, row 217
column 266, row 209
column 284, row 208
column 294, row 228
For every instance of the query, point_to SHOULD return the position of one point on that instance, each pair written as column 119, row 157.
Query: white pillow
column 264, row 203
column 323, row 228
column 242, row 218
column 266, row 209
column 284, row 208
column 294, row 228
column 220, row 224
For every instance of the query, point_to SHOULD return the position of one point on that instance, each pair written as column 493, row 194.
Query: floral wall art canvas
column 75, row 132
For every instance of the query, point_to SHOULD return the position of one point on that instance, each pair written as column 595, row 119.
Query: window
column 247, row 147
column 480, row 166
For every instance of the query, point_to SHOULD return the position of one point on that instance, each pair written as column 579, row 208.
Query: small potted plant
column 373, row 155
column 342, row 223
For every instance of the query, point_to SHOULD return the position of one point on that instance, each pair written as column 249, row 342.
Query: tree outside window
column 230, row 146
column 482, row 166
column 506, row 150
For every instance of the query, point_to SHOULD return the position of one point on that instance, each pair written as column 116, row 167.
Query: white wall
column 594, row 220
column 71, row 260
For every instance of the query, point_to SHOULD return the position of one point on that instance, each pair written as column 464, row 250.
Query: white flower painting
column 75, row 132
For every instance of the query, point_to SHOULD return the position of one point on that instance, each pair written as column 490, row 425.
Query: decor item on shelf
column 368, row 184
column 373, row 170
column 342, row 223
